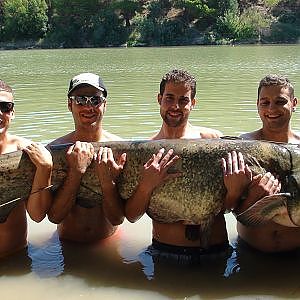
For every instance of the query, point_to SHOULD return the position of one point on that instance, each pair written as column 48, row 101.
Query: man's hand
column 39, row 155
column 261, row 186
column 79, row 156
column 107, row 168
column 237, row 177
column 155, row 170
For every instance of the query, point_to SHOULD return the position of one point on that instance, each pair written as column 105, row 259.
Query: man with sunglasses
column 87, row 102
column 13, row 230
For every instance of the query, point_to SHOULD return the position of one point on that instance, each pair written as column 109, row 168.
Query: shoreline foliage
column 113, row 23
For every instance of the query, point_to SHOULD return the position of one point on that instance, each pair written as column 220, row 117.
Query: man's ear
column 193, row 102
column 257, row 101
column 295, row 102
column 13, row 114
column 159, row 98
column 70, row 105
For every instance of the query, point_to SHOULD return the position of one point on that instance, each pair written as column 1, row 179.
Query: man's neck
column 91, row 134
column 283, row 136
column 3, row 142
column 167, row 132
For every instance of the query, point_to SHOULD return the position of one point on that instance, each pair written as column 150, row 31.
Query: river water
column 227, row 79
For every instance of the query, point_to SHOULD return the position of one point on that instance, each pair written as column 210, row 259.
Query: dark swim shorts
column 161, row 252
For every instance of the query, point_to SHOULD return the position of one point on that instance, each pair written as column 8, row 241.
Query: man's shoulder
column 253, row 135
column 107, row 136
column 62, row 140
column 18, row 141
column 209, row 133
column 296, row 137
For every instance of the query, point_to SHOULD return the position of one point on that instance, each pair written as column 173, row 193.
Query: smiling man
column 175, row 242
column 13, row 230
column 87, row 98
column 275, row 104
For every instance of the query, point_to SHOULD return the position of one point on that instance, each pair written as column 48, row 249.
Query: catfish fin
column 205, row 229
column 268, row 208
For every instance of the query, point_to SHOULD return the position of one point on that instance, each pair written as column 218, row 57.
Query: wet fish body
column 195, row 197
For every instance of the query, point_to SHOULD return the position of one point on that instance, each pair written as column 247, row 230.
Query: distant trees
column 94, row 23
column 23, row 19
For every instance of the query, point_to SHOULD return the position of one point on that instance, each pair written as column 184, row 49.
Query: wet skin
column 176, row 104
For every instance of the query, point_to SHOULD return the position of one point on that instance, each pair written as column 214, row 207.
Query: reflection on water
column 47, row 260
column 120, row 267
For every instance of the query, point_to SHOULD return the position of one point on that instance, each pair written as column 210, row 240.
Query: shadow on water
column 247, row 272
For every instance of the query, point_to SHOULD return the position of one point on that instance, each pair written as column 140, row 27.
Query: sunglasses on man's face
column 6, row 107
column 84, row 100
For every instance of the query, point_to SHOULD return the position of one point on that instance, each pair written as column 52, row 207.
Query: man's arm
column 261, row 186
column 39, row 200
column 79, row 157
column 154, row 174
column 108, row 171
column 238, row 180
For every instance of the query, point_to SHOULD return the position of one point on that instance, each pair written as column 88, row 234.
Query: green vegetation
column 102, row 23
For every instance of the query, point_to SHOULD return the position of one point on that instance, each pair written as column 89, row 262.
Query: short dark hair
column 178, row 76
column 5, row 87
column 274, row 79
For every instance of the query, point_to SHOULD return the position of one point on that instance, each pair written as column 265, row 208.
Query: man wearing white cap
column 87, row 102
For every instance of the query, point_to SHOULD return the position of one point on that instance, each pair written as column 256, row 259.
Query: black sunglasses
column 6, row 107
column 84, row 100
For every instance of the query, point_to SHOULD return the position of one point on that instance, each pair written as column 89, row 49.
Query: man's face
column 6, row 117
column 275, row 107
column 176, row 104
column 86, row 115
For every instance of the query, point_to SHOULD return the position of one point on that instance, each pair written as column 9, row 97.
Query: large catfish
column 195, row 197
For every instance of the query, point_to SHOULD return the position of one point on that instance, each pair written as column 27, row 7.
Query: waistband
column 187, row 250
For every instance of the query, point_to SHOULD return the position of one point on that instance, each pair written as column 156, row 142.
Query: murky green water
column 227, row 79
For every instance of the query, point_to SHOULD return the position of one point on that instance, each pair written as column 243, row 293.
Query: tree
column 127, row 9
column 72, row 22
column 24, row 19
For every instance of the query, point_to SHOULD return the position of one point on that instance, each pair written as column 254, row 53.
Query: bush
column 24, row 19
column 284, row 33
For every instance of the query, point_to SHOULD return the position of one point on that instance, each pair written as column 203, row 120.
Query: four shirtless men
column 87, row 101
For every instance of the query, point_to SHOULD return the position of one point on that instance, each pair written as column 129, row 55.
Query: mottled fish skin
column 16, row 176
column 196, row 197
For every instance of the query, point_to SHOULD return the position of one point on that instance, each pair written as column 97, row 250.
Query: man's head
column 87, row 98
column 7, row 112
column 176, row 97
column 89, row 79
column 276, row 80
column 276, row 102
column 179, row 77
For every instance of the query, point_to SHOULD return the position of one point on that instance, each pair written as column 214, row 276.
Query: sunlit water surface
column 117, row 268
